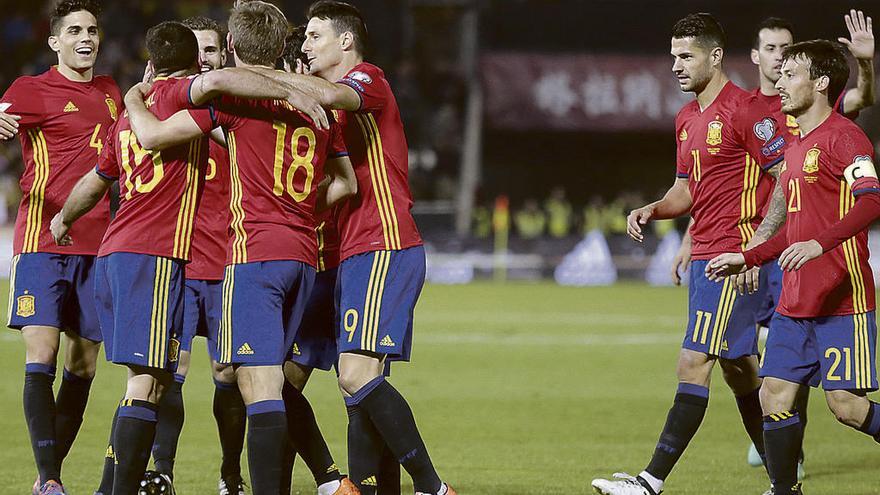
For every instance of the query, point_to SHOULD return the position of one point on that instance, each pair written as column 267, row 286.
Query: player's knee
column 297, row 374
column 82, row 368
column 846, row 407
column 222, row 373
column 694, row 367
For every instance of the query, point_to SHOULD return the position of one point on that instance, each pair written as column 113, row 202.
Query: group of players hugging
column 780, row 186
column 266, row 210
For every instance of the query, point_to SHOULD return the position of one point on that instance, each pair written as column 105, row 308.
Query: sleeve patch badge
column 765, row 129
column 361, row 76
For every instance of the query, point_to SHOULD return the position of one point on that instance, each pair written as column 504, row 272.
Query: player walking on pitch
column 824, row 330
column 720, row 182
column 62, row 117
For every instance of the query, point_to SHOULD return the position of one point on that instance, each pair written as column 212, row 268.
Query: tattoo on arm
column 775, row 217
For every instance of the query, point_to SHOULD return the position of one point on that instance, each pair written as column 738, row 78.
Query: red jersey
column 276, row 161
column 379, row 217
column 212, row 219
column 821, row 181
column 328, row 240
column 62, row 130
column 158, row 190
column 722, row 151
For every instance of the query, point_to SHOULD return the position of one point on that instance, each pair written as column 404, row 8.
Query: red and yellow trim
column 748, row 201
column 239, row 240
column 37, row 195
column 187, row 213
column 379, row 180
column 851, row 254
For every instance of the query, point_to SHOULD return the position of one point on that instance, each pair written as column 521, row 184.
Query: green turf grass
column 517, row 389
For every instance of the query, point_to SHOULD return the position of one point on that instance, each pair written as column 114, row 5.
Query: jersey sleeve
column 20, row 99
column 760, row 135
column 838, row 106
column 369, row 83
column 682, row 164
column 336, row 144
column 853, row 160
column 108, row 162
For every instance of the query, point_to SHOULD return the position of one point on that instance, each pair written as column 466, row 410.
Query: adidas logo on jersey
column 296, row 350
column 245, row 350
column 386, row 341
column 371, row 481
column 70, row 107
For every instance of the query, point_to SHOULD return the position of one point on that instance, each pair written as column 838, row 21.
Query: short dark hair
column 773, row 24
column 826, row 59
column 66, row 7
column 293, row 47
column 344, row 17
column 258, row 29
column 703, row 27
column 202, row 23
column 172, row 47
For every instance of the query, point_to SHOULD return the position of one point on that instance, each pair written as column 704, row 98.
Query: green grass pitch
column 517, row 389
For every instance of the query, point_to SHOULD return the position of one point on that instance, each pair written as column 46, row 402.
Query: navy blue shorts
column 140, row 307
column 201, row 313
column 315, row 342
column 771, row 287
column 263, row 304
column 54, row 290
column 377, row 293
column 721, row 322
column 837, row 351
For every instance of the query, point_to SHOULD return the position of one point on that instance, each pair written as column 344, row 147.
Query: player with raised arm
column 383, row 262
column 824, row 330
column 139, row 280
column 277, row 162
column 62, row 117
column 720, row 182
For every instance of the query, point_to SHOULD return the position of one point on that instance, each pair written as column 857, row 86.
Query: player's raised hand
column 300, row 67
column 59, row 230
column 309, row 106
column 794, row 256
column 861, row 35
column 8, row 125
column 636, row 219
column 724, row 265
column 681, row 261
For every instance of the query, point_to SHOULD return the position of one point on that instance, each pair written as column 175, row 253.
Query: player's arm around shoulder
column 155, row 134
column 339, row 184
column 328, row 94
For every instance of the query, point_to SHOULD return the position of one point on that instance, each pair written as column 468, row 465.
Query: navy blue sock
column 365, row 447
column 306, row 437
column 267, row 435
column 73, row 395
column 106, row 487
column 389, row 473
column 682, row 423
column 871, row 426
column 135, row 431
column 287, row 463
column 753, row 419
column 39, row 412
column 169, row 426
column 783, row 435
column 229, row 411
column 391, row 415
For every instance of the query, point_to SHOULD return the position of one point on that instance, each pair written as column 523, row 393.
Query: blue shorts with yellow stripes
column 201, row 313
column 721, row 322
column 140, row 307
column 263, row 304
column 315, row 342
column 377, row 293
column 837, row 351
column 54, row 290
column 771, row 287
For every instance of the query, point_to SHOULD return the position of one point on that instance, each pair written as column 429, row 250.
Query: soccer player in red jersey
column 147, row 272
column 277, row 162
column 62, row 117
column 721, row 182
column 824, row 330
column 383, row 265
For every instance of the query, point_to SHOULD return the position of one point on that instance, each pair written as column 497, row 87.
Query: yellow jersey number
column 284, row 182
column 130, row 148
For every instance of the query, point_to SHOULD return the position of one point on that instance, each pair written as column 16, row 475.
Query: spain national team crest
column 811, row 161
column 713, row 136
column 173, row 350
column 683, row 135
column 111, row 106
column 25, row 306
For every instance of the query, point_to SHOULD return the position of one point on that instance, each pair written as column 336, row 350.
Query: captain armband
column 861, row 168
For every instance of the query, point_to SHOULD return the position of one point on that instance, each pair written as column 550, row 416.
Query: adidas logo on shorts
column 371, row 481
column 386, row 341
column 245, row 350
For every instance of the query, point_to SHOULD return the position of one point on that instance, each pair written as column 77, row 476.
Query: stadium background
column 525, row 386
